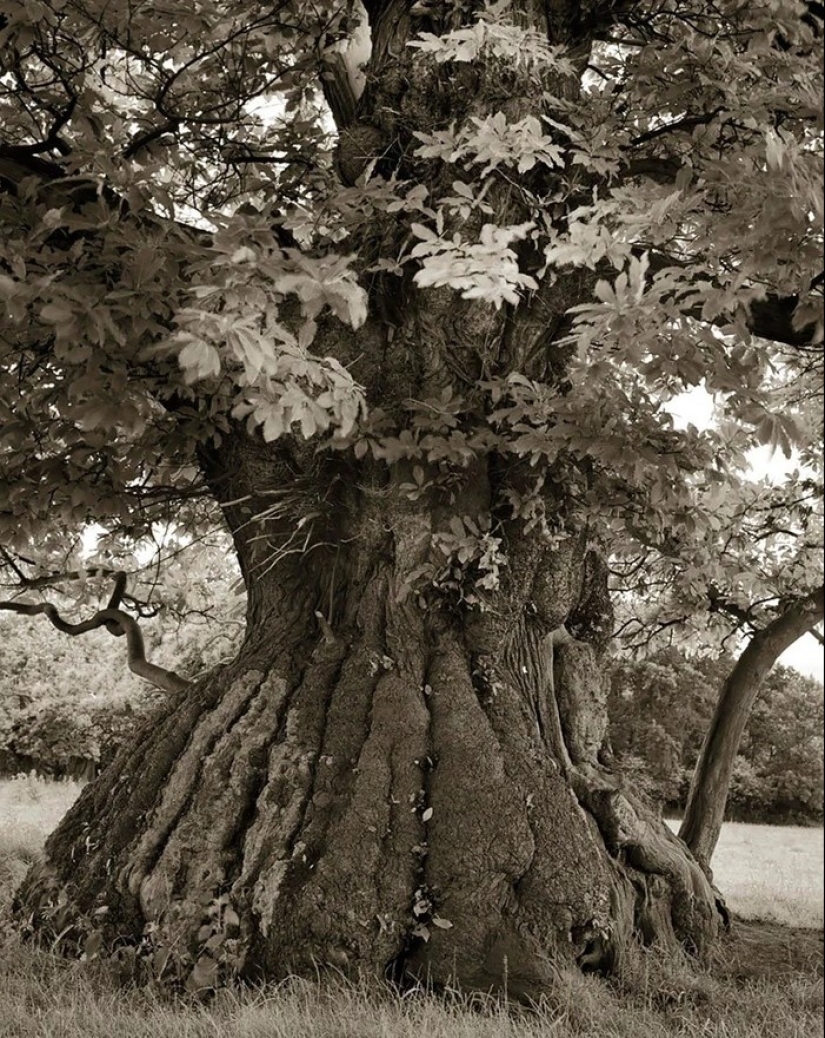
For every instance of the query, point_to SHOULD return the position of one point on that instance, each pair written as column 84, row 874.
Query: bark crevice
column 412, row 794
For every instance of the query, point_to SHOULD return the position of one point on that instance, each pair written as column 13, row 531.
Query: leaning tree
column 402, row 290
column 750, row 578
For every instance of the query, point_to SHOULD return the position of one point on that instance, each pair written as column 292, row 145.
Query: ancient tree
column 399, row 293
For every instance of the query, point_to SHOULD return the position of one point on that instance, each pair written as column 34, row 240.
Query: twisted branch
column 119, row 624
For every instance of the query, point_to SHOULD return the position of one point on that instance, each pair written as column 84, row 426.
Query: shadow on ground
column 756, row 950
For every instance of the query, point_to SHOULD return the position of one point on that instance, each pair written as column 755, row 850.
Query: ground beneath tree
column 765, row 950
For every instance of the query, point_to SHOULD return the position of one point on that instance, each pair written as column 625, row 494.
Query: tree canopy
column 191, row 240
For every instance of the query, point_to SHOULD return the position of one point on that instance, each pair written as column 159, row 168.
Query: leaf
column 8, row 287
column 774, row 150
column 274, row 426
column 58, row 312
column 199, row 359
column 204, row 976
column 427, row 814
column 636, row 275
column 93, row 945
column 420, row 231
column 243, row 255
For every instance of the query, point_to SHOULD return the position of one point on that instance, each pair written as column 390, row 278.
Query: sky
column 806, row 655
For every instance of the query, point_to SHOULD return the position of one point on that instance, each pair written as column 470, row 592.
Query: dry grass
column 48, row 998
column 767, row 981
column 33, row 806
column 30, row 808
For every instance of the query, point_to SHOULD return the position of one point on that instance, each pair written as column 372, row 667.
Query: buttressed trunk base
column 387, row 780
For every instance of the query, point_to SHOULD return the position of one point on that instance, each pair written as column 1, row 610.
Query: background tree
column 661, row 706
column 753, row 575
column 418, row 360
column 709, row 787
column 66, row 704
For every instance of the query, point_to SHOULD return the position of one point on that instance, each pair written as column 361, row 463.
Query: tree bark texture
column 710, row 784
column 391, row 779
column 380, row 782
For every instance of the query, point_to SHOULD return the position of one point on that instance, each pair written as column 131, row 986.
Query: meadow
column 766, row 979
column 770, row 872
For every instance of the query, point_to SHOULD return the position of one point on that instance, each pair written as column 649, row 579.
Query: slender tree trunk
column 710, row 784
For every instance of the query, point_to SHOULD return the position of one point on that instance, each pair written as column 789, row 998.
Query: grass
column 766, row 980
column 771, row 872
column 30, row 808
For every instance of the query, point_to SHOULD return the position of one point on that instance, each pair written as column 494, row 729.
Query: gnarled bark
column 384, row 781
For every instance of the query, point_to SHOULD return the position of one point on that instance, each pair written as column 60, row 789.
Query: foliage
column 180, row 253
column 660, row 708
column 760, row 552
column 68, row 702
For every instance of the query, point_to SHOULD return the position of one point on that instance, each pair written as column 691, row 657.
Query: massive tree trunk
column 400, row 774
column 384, row 781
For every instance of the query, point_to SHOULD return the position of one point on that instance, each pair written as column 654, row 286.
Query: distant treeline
column 659, row 710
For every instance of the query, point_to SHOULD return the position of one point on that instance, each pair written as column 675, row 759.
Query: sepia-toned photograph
column 412, row 608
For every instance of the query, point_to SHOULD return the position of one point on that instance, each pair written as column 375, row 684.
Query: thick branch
column 772, row 318
column 720, row 604
column 49, row 580
column 56, row 188
column 769, row 318
column 342, row 77
column 117, row 623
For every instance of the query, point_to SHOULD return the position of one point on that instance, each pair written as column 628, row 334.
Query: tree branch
column 687, row 122
column 720, row 604
column 769, row 318
column 117, row 623
column 49, row 580
column 772, row 318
